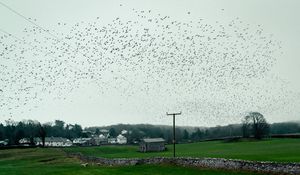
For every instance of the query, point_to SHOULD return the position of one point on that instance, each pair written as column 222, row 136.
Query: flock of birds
column 212, row 71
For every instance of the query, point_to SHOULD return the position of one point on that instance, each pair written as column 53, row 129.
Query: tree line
column 253, row 125
column 14, row 131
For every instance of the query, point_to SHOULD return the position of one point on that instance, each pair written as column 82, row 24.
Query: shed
column 152, row 145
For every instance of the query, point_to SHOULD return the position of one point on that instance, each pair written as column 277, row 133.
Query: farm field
column 279, row 150
column 45, row 161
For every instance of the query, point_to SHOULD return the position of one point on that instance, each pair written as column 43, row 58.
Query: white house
column 54, row 142
column 24, row 141
column 104, row 131
column 103, row 139
column 3, row 142
column 83, row 141
column 123, row 132
column 101, row 136
column 112, row 140
column 121, row 139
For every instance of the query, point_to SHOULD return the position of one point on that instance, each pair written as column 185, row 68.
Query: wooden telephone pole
column 174, row 114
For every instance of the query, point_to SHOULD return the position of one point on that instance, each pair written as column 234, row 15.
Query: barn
column 152, row 145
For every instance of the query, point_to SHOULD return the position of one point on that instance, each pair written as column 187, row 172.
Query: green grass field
column 279, row 150
column 45, row 161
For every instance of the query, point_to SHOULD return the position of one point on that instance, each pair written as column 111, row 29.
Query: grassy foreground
column 45, row 161
column 279, row 150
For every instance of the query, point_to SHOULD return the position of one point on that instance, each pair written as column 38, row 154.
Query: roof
column 121, row 137
column 3, row 142
column 124, row 131
column 153, row 140
column 52, row 139
column 24, row 140
column 81, row 140
column 102, row 136
column 104, row 130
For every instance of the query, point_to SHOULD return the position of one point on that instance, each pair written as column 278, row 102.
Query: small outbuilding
column 152, row 145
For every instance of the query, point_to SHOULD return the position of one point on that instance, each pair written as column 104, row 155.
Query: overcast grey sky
column 87, row 105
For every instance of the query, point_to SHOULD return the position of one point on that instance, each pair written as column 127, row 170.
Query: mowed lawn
column 46, row 161
column 279, row 150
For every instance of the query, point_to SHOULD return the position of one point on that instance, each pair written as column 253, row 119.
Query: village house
column 24, row 141
column 103, row 139
column 111, row 140
column 54, row 142
column 96, row 141
column 121, row 139
column 83, row 142
column 124, row 132
column 3, row 142
column 104, row 132
column 152, row 145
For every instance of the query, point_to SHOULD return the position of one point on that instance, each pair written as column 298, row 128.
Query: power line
column 19, row 14
column 9, row 34
column 35, row 47
column 49, row 54
column 58, row 39
column 35, row 24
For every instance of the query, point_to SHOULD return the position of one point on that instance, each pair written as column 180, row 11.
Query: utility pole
column 174, row 114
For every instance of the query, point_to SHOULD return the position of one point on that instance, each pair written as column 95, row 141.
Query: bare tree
column 42, row 134
column 255, row 124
